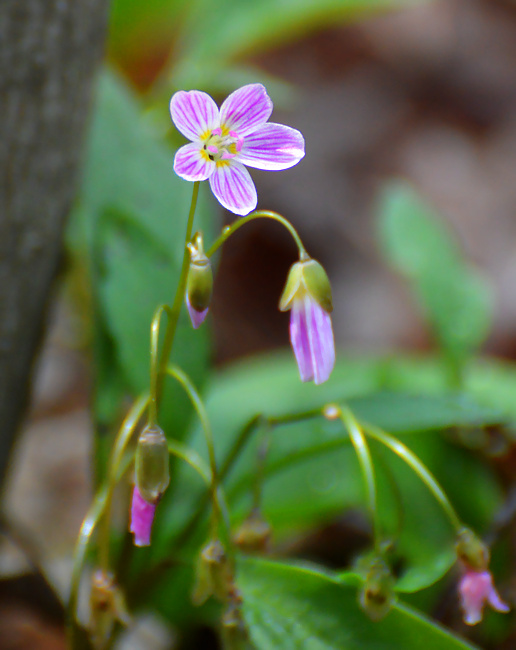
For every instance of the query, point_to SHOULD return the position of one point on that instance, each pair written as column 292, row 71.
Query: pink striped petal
column 191, row 164
column 194, row 113
column 142, row 517
column 234, row 187
column 246, row 109
column 273, row 147
column 311, row 336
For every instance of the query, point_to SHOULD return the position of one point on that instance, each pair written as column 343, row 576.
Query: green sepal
column 471, row 550
column 152, row 464
column 307, row 276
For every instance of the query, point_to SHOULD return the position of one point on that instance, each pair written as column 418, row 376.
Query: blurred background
column 422, row 91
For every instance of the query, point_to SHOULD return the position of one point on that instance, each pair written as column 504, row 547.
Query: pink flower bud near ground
column 142, row 516
column 197, row 317
column 475, row 589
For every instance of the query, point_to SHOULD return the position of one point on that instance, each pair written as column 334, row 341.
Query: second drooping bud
column 152, row 479
column 307, row 294
column 199, row 285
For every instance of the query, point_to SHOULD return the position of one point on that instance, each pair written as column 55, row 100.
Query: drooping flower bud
column 377, row 595
column 199, row 284
column 152, row 464
column 307, row 294
column 476, row 587
column 214, row 576
column 107, row 605
column 152, row 479
column 254, row 534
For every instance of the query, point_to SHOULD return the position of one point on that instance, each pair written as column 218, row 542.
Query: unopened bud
column 254, row 534
column 377, row 595
column 199, row 284
column 214, row 576
column 152, row 472
column 107, row 605
column 307, row 276
column 472, row 551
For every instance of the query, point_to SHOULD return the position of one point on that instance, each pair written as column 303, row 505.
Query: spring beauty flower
column 307, row 294
column 223, row 141
column 476, row 588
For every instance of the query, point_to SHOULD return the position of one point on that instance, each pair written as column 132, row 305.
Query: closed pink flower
column 476, row 588
column 142, row 518
column 223, row 141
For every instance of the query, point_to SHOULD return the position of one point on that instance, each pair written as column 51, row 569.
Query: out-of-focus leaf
column 293, row 608
column 454, row 296
column 129, row 232
column 210, row 42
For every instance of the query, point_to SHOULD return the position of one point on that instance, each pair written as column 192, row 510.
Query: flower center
column 222, row 147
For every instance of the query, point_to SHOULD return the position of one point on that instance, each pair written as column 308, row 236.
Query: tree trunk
column 49, row 53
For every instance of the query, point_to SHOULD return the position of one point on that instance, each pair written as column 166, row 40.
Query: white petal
column 273, row 147
column 194, row 113
column 234, row 187
column 246, row 109
column 192, row 164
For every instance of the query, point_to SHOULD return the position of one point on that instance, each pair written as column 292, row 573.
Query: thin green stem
column 175, row 310
column 361, row 447
column 420, row 469
column 154, row 354
column 259, row 214
column 220, row 513
column 121, row 442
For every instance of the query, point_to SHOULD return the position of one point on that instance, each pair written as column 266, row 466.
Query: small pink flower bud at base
column 142, row 517
column 475, row 589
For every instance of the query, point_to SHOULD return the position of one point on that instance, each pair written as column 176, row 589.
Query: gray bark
column 49, row 52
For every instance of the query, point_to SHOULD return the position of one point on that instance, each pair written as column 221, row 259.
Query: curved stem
column 122, row 439
column 259, row 214
column 420, row 469
column 154, row 351
column 219, row 512
column 190, row 457
column 175, row 310
column 359, row 442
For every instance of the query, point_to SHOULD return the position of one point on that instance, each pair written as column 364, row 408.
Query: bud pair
column 152, row 479
column 199, row 284
column 307, row 294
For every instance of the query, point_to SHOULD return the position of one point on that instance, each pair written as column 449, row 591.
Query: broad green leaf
column 454, row 297
column 299, row 608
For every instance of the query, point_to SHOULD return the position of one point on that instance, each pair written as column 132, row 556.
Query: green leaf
column 455, row 298
column 292, row 608
column 247, row 26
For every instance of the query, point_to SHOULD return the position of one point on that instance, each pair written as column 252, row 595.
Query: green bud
column 107, row 605
column 254, row 534
column 214, row 576
column 471, row 550
column 377, row 595
column 199, row 285
column 152, row 473
column 307, row 276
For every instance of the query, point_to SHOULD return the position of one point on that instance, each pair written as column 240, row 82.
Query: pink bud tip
column 217, row 131
column 212, row 148
column 475, row 589
column 197, row 317
column 142, row 516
